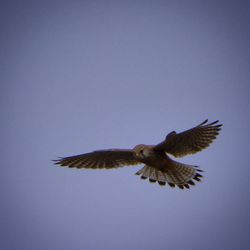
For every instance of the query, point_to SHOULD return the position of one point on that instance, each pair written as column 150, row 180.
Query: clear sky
column 77, row 76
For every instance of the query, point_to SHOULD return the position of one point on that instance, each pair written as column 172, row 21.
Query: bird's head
column 141, row 151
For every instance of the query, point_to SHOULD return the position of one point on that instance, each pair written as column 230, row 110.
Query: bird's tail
column 175, row 174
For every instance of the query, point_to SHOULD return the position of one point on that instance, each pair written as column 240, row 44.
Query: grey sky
column 77, row 76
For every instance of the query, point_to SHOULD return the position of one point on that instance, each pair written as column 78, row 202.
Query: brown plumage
column 159, row 167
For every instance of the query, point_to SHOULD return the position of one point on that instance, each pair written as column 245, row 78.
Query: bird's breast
column 154, row 159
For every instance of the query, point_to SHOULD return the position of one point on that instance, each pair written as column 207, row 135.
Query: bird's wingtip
column 57, row 161
column 211, row 123
column 204, row 122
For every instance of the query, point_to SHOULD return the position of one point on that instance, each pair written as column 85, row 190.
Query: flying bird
column 159, row 167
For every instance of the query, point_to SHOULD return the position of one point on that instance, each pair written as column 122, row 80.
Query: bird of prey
column 159, row 167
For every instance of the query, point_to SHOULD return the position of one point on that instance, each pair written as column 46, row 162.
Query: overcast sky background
column 77, row 76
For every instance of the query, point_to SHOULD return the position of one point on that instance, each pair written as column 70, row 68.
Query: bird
column 159, row 167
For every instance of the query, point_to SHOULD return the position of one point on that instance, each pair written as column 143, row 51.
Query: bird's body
column 149, row 156
column 159, row 167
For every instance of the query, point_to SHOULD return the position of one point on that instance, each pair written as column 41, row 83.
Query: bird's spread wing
column 190, row 141
column 112, row 158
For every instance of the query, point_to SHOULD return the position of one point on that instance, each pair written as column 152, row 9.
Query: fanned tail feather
column 176, row 174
